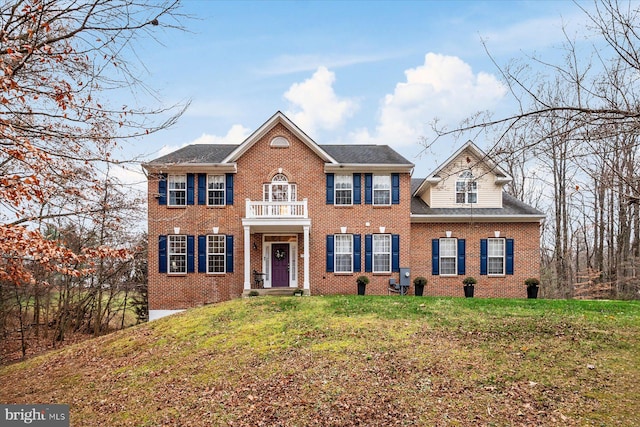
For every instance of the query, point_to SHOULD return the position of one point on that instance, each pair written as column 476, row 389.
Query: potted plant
column 468, row 286
column 419, row 283
column 533, row 285
column 362, row 284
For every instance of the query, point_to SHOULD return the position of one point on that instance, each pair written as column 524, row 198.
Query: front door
column 280, row 265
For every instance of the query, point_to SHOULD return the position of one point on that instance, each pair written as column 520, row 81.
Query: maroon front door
column 280, row 265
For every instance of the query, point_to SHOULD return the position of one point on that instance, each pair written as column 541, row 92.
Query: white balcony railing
column 277, row 209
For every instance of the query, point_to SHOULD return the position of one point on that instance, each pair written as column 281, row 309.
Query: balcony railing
column 277, row 209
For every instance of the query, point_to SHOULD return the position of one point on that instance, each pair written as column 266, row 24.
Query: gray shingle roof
column 354, row 154
column 198, row 153
column 510, row 206
column 365, row 154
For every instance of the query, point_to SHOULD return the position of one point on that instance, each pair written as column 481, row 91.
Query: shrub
column 419, row 281
column 362, row 280
column 469, row 280
column 532, row 282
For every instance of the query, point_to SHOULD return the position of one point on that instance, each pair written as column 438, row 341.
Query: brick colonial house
column 281, row 211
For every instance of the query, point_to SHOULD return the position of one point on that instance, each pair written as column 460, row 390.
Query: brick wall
column 526, row 257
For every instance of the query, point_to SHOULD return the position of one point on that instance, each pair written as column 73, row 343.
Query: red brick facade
column 304, row 167
column 526, row 238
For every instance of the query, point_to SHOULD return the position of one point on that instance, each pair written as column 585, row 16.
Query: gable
column 278, row 141
column 439, row 189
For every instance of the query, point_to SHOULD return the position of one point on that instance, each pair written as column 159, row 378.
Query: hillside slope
column 347, row 360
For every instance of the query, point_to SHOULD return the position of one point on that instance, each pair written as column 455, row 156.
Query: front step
column 273, row 292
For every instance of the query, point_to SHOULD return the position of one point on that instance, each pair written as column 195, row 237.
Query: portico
column 280, row 224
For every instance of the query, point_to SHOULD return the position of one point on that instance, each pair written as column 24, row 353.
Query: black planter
column 468, row 291
column 361, row 288
column 532, row 292
column 419, row 290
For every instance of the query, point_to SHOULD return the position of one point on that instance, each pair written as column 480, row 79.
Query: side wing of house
column 463, row 224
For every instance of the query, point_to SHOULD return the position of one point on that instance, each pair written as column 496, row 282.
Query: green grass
column 349, row 360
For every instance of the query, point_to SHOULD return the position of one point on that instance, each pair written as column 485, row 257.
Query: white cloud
column 316, row 105
column 235, row 135
column 444, row 87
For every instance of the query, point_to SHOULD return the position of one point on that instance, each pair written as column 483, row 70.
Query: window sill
column 382, row 206
column 343, row 206
column 177, row 206
column 382, row 273
column 177, row 274
column 216, row 274
column 216, row 206
column 343, row 273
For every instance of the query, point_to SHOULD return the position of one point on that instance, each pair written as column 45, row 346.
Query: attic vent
column 280, row 142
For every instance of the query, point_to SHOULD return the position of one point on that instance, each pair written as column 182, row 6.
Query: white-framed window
column 216, row 253
column 382, row 253
column 344, row 189
column 279, row 190
column 496, row 256
column 177, row 185
column 448, row 256
column 215, row 190
column 382, row 189
column 177, row 253
column 343, row 253
column 466, row 188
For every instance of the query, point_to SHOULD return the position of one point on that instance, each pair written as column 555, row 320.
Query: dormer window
column 466, row 188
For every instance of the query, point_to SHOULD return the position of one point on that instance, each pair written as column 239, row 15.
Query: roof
column 336, row 157
column 511, row 207
column 365, row 154
column 352, row 154
column 198, row 153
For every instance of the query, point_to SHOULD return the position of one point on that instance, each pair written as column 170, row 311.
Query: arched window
column 279, row 190
column 466, row 188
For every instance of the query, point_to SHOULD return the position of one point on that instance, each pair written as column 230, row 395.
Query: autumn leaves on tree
column 64, row 67
column 56, row 134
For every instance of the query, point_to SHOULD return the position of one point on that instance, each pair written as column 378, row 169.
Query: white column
column 247, row 258
column 306, row 257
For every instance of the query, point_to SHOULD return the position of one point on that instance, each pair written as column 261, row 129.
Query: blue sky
column 345, row 72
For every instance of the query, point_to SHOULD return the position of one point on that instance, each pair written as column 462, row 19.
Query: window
column 382, row 253
column 279, row 190
column 177, row 190
column 448, row 256
column 215, row 190
column 381, row 190
column 177, row 254
column 344, row 189
column 495, row 256
column 343, row 253
column 466, row 188
column 216, row 253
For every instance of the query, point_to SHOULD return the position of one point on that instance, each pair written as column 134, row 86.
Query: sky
column 346, row 72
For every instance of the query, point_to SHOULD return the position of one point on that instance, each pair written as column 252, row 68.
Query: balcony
column 274, row 210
